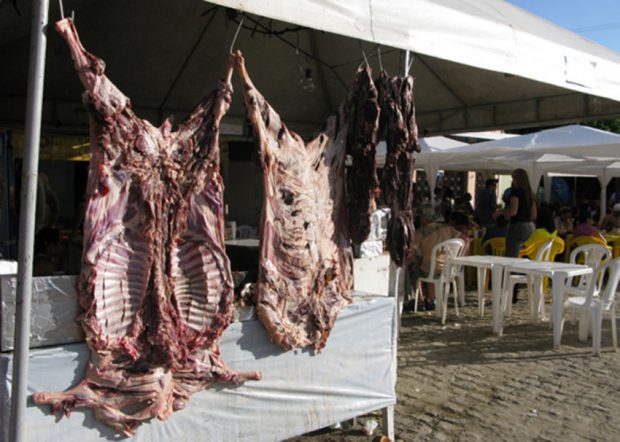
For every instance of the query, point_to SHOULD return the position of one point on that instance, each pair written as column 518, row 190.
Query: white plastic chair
column 444, row 279
column 591, row 255
column 599, row 298
column 537, row 305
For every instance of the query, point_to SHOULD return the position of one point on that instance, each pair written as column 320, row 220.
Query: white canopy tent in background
column 429, row 148
column 569, row 150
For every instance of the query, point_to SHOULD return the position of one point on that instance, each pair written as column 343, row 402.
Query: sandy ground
column 460, row 382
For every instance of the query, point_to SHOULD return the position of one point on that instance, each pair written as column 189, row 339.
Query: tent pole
column 394, row 290
column 604, row 181
column 36, row 73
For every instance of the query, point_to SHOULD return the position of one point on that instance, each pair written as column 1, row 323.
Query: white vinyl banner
column 300, row 391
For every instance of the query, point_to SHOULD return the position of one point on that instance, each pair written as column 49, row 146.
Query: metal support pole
column 394, row 290
column 36, row 73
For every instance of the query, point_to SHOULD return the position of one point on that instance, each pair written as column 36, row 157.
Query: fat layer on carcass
column 156, row 284
column 305, row 271
column 398, row 125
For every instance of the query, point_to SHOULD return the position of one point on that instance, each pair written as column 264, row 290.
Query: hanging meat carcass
column 398, row 125
column 361, row 178
column 156, row 284
column 306, row 261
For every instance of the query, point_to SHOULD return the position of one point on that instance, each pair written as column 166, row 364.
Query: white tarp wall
column 299, row 392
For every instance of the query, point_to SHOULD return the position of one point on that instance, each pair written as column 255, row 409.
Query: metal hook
column 410, row 64
column 379, row 56
column 365, row 58
column 62, row 9
column 232, row 45
column 363, row 53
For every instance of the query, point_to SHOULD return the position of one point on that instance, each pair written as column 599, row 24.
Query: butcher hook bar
column 62, row 11
column 379, row 56
column 363, row 53
column 410, row 63
column 232, row 45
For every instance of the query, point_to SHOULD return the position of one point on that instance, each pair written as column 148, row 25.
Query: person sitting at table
column 430, row 234
column 463, row 204
column 585, row 225
column 497, row 230
column 611, row 221
column 564, row 221
column 545, row 230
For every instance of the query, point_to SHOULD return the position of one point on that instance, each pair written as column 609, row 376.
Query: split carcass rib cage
column 156, row 284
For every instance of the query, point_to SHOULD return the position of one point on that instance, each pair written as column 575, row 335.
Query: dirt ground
column 460, row 382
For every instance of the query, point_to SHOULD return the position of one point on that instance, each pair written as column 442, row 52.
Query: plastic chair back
column 450, row 248
column 544, row 250
column 592, row 255
column 582, row 240
column 579, row 241
column 497, row 246
column 556, row 248
column 604, row 283
column 532, row 251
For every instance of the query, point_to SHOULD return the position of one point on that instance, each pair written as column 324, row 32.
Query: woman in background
column 585, row 225
column 521, row 210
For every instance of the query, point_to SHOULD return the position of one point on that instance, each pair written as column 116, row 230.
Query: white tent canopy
column 570, row 150
column 478, row 64
column 429, row 147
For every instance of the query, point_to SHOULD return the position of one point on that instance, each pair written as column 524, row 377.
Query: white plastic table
column 559, row 272
column 497, row 265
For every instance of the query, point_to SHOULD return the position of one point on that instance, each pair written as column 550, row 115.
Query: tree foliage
column 608, row 125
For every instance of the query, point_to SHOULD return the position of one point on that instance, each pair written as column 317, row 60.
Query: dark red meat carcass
column 398, row 125
column 306, row 262
column 156, row 284
column 362, row 182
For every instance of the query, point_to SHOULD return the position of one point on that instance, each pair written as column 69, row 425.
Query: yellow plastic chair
column 531, row 252
column 497, row 246
column 579, row 241
column 614, row 242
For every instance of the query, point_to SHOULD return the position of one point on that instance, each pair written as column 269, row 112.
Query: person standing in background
column 521, row 210
column 486, row 203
